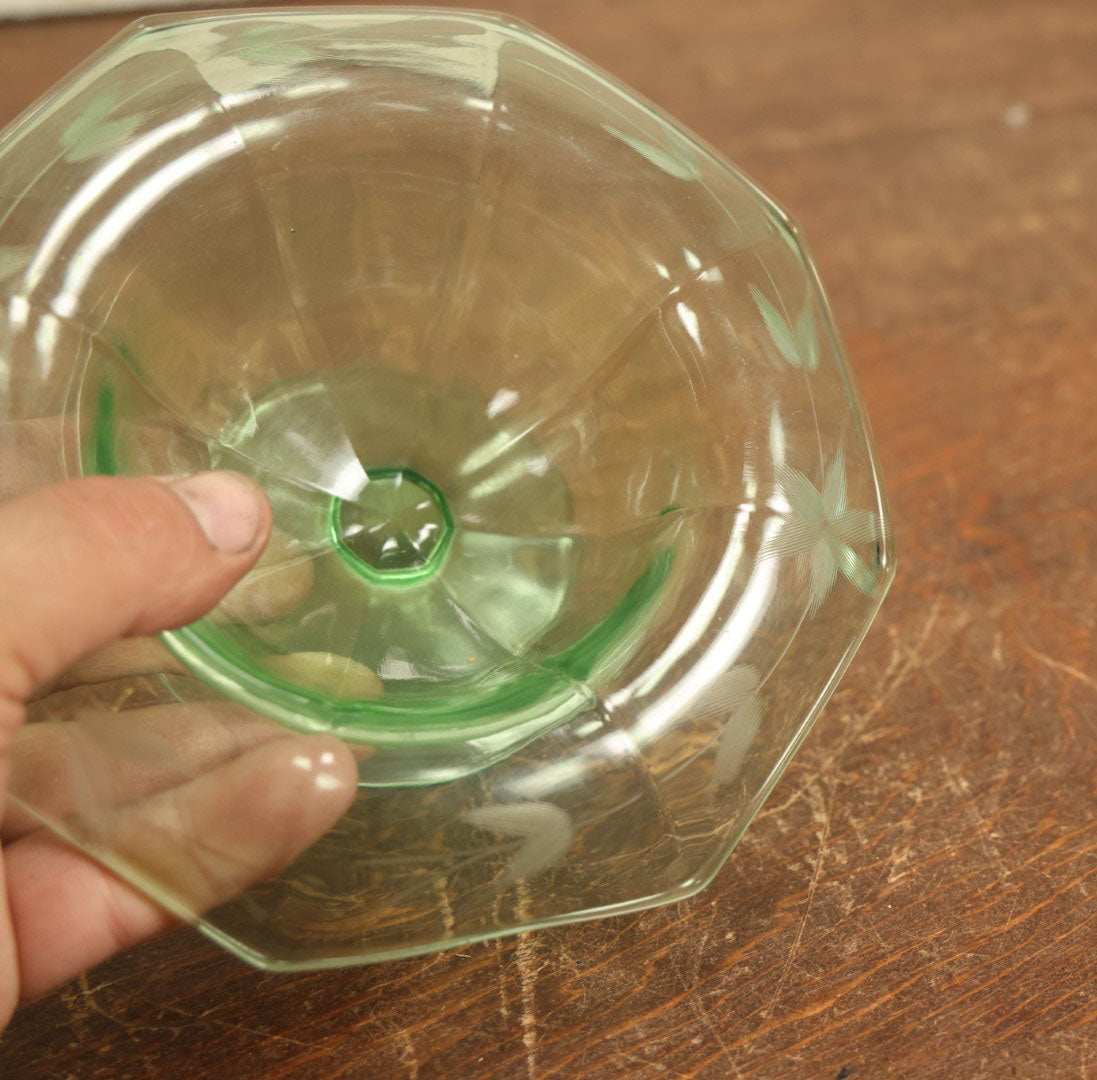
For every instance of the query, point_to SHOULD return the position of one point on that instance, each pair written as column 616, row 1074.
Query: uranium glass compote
column 578, row 518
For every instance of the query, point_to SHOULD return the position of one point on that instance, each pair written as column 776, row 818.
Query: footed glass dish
column 577, row 514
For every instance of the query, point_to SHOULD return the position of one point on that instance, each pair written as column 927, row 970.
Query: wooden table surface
column 919, row 896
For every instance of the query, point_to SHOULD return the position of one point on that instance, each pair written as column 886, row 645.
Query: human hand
column 222, row 799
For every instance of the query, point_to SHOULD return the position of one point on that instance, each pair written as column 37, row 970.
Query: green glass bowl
column 578, row 518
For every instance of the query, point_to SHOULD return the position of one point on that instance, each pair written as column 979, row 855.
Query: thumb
column 91, row 560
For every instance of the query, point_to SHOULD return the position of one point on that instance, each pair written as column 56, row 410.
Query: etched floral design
column 97, row 128
column 736, row 694
column 799, row 343
column 823, row 530
column 545, row 829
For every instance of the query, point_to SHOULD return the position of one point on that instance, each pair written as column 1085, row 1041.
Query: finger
column 196, row 846
column 277, row 584
column 89, row 766
column 119, row 659
column 91, row 560
column 274, row 587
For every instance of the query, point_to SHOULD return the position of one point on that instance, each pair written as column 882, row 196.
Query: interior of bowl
column 447, row 308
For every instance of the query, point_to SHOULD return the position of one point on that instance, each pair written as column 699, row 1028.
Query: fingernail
column 226, row 505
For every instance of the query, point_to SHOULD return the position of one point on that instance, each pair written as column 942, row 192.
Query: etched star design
column 822, row 531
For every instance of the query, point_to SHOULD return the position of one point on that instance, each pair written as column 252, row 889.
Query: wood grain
column 919, row 896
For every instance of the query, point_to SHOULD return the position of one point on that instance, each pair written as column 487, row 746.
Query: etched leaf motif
column 12, row 259
column 676, row 159
column 545, row 829
column 273, row 45
column 94, row 130
column 822, row 530
column 736, row 692
column 799, row 345
column 238, row 61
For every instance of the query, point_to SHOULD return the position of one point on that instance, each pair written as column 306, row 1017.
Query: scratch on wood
column 700, row 954
column 897, row 857
column 252, row 1033
column 408, row 1055
column 702, row 1014
column 1066, row 669
column 662, row 1066
column 827, row 808
column 893, row 661
column 78, row 1004
column 897, row 674
column 91, row 1005
column 500, row 964
column 444, row 905
column 913, row 658
column 697, row 1006
column 527, row 978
